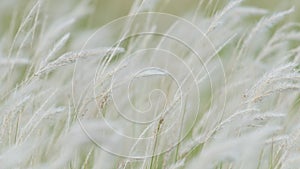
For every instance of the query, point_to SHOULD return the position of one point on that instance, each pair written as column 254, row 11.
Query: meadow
column 148, row 84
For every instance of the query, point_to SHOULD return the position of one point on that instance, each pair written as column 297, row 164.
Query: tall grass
column 149, row 84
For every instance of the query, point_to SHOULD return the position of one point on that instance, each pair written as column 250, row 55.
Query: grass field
column 170, row 84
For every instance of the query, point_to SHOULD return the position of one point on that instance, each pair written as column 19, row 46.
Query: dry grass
column 214, row 86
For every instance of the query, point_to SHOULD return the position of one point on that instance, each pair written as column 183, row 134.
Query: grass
column 149, row 84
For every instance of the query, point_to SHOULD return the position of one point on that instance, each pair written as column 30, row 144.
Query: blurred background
column 104, row 11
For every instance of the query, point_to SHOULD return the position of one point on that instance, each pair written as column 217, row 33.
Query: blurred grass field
column 96, row 84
